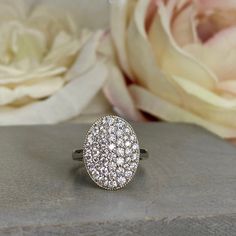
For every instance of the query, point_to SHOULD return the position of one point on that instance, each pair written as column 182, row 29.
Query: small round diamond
column 120, row 161
column 112, row 165
column 128, row 159
column 121, row 180
column 110, row 152
column 110, row 120
column 119, row 133
column 90, row 138
column 127, row 130
column 135, row 147
column 112, row 130
column 112, row 138
column 120, row 142
column 128, row 174
column 133, row 165
column 128, row 151
column 112, row 184
column 120, row 171
column 112, row 146
column 120, row 151
column 127, row 143
column 112, row 175
column 95, row 152
column 134, row 157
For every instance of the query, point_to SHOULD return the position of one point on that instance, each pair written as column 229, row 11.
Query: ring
column 111, row 152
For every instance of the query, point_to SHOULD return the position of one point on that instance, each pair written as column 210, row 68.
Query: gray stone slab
column 187, row 187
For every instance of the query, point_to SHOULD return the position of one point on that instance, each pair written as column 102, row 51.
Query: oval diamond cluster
column 111, row 152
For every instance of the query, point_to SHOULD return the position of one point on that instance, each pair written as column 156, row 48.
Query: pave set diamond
column 111, row 152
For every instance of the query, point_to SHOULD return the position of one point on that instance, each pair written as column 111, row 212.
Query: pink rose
column 176, row 61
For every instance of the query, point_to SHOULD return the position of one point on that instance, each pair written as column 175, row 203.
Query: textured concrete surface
column 187, row 187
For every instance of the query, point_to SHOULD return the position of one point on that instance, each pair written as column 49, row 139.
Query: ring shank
column 77, row 155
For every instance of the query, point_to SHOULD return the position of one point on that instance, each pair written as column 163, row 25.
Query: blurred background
column 93, row 14
column 74, row 61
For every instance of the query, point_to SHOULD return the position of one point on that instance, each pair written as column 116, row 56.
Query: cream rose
column 49, row 68
column 178, row 57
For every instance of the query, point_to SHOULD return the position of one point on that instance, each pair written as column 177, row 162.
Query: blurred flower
column 49, row 69
column 178, row 61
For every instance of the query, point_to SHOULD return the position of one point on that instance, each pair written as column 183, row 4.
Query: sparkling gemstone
column 120, row 151
column 127, row 166
column 112, row 184
column 112, row 146
column 112, row 175
column 134, row 157
column 120, row 161
column 127, row 130
column 105, row 182
column 127, row 151
column 127, row 143
column 120, row 170
column 111, row 156
column 106, row 163
column 95, row 159
column 95, row 130
column 103, row 157
column 105, row 151
column 90, row 138
column 110, row 152
column 128, row 174
column 112, row 138
column 120, row 124
column 132, row 137
column 119, row 133
column 95, row 174
column 128, row 159
column 110, row 120
column 121, row 180
column 135, row 147
column 120, row 142
column 112, row 130
column 112, row 165
column 87, row 153
column 104, row 171
column 95, row 152
column 133, row 165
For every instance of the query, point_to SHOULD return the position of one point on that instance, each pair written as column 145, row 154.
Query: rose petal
column 36, row 91
column 23, row 76
column 120, row 11
column 140, row 53
column 63, row 47
column 117, row 93
column 228, row 86
column 184, row 27
column 144, row 64
column 161, row 108
column 172, row 58
column 66, row 103
column 219, row 4
column 203, row 94
column 151, row 11
column 87, row 57
column 10, row 10
column 207, row 104
column 98, row 105
column 222, row 45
